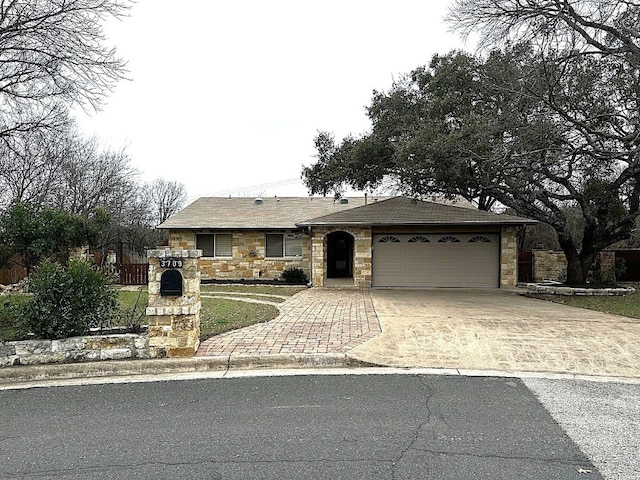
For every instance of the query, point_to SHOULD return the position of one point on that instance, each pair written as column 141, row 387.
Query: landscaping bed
column 217, row 315
column 627, row 305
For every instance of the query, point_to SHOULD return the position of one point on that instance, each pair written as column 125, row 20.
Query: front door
column 339, row 255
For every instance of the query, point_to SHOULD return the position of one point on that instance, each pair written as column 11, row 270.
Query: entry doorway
column 339, row 255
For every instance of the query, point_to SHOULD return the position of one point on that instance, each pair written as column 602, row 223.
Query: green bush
column 10, row 310
column 294, row 275
column 68, row 301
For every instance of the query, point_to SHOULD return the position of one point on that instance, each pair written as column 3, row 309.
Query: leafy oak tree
column 545, row 131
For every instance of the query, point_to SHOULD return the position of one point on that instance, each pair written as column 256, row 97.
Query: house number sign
column 170, row 262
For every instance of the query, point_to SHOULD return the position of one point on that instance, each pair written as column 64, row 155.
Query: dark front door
column 339, row 255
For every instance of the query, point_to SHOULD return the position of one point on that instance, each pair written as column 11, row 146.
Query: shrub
column 294, row 275
column 10, row 308
column 68, row 301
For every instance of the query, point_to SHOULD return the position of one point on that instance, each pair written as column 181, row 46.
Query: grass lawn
column 217, row 316
column 628, row 305
column 220, row 315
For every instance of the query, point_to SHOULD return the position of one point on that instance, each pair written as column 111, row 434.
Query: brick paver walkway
column 317, row 320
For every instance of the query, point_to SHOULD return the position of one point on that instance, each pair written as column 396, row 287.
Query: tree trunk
column 576, row 273
column 578, row 263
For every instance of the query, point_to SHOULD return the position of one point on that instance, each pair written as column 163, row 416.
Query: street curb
column 21, row 375
column 115, row 368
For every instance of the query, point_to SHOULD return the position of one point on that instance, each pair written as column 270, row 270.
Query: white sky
column 227, row 95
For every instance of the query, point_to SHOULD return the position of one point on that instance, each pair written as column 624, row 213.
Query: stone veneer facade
column 361, row 254
column 248, row 261
column 552, row 265
column 174, row 321
column 508, row 257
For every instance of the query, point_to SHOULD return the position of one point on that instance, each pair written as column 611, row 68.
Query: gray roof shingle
column 244, row 213
column 291, row 212
column 407, row 211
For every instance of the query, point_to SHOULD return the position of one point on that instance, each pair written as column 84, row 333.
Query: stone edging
column 578, row 291
column 74, row 349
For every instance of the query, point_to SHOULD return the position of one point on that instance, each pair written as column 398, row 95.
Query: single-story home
column 367, row 242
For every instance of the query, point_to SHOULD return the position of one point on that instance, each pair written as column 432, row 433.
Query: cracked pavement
column 320, row 426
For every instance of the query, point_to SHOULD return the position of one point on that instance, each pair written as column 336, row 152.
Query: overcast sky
column 228, row 95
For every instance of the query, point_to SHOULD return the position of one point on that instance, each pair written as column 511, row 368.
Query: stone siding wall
column 361, row 254
column 549, row 265
column 248, row 261
column 552, row 265
column 74, row 349
column 508, row 257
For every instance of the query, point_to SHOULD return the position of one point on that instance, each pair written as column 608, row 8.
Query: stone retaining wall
column 579, row 291
column 74, row 349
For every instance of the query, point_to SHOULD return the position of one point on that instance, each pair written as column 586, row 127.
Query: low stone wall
column 579, row 291
column 74, row 349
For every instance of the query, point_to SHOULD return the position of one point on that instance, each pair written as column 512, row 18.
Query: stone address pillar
column 174, row 302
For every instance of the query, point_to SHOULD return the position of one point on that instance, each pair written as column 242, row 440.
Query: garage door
column 429, row 260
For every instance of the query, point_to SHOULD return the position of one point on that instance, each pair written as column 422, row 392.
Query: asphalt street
column 603, row 418
column 315, row 426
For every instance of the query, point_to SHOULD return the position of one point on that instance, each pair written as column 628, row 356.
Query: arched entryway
column 339, row 255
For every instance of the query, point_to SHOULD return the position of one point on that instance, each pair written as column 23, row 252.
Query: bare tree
column 165, row 198
column 585, row 26
column 30, row 164
column 53, row 53
column 92, row 177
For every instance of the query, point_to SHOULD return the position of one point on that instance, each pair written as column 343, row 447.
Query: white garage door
column 430, row 260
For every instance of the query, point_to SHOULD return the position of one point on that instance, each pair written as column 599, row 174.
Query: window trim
column 292, row 235
column 215, row 244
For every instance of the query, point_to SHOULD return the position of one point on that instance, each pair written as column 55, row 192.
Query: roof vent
column 344, row 201
column 258, row 201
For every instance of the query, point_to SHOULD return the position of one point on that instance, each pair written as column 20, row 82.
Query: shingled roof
column 407, row 211
column 223, row 213
column 249, row 213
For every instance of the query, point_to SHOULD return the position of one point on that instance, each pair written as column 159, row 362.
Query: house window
column 214, row 244
column 389, row 239
column 419, row 239
column 283, row 244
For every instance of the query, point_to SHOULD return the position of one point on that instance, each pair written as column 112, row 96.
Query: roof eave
column 413, row 224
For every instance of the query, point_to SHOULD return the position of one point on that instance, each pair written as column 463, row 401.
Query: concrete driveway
column 498, row 330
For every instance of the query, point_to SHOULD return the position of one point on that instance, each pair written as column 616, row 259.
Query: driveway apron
column 498, row 330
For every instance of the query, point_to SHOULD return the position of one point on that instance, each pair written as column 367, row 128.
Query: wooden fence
column 127, row 273
column 12, row 274
column 133, row 273
column 525, row 267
